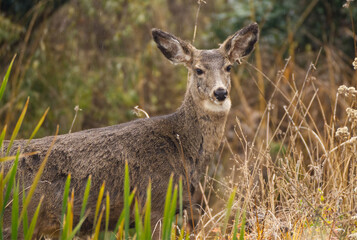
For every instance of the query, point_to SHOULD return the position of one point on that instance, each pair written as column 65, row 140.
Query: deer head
column 209, row 70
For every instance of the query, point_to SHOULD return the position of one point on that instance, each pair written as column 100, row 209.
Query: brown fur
column 151, row 146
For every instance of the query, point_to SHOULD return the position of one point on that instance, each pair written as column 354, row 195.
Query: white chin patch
column 217, row 106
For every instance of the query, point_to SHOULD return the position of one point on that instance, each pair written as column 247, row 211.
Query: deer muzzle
column 220, row 94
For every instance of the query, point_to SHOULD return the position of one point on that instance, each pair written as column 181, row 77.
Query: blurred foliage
column 99, row 54
column 24, row 9
column 9, row 31
column 325, row 20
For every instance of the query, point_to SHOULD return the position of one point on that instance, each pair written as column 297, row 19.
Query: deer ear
column 241, row 43
column 175, row 49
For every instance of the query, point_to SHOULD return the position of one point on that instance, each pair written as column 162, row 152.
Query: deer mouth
column 213, row 105
column 217, row 102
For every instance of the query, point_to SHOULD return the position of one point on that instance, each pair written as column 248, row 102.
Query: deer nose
column 220, row 94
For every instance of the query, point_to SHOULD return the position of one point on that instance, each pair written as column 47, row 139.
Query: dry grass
column 296, row 178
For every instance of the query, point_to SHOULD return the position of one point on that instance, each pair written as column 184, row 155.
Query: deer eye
column 199, row 71
column 228, row 68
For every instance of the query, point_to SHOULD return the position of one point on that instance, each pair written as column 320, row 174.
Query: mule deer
column 154, row 147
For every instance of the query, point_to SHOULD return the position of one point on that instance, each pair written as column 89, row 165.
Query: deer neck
column 201, row 130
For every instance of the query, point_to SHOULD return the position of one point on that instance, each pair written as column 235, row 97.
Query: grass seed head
column 343, row 133
column 352, row 115
column 347, row 91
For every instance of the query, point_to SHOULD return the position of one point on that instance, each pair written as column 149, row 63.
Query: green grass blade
column 182, row 234
column 2, row 137
column 10, row 177
column 235, row 228
column 119, row 233
column 166, row 219
column 69, row 215
column 147, row 220
column 78, row 227
column 242, row 228
column 97, row 227
column 31, row 229
column 173, row 208
column 1, row 202
column 39, row 124
column 6, row 78
column 15, row 212
column 65, row 202
column 99, row 202
column 228, row 211
column 65, row 197
column 138, row 222
column 85, row 196
column 17, row 126
column 107, row 212
column 66, row 194
column 121, row 217
column 181, row 198
column 173, row 232
column 64, row 229
column 37, row 178
column 68, row 218
column 126, row 201
column 25, row 222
